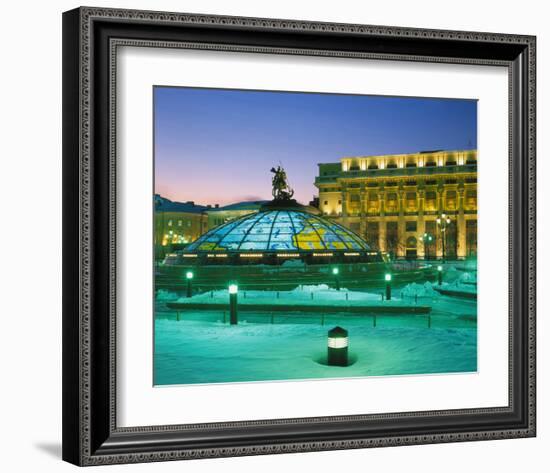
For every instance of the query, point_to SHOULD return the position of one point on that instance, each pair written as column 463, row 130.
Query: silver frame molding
column 91, row 38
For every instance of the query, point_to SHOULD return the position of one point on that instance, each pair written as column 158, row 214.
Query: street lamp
column 337, row 350
column 335, row 271
column 439, row 275
column 427, row 240
column 387, row 278
column 233, row 290
column 443, row 222
column 189, row 277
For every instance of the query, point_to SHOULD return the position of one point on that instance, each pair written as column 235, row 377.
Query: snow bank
column 468, row 277
column 165, row 296
column 305, row 294
column 419, row 290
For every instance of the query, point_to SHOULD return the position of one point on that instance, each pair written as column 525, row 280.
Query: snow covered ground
column 201, row 347
column 191, row 351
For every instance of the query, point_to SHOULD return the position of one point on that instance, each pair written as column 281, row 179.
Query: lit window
column 188, row 223
column 180, row 223
column 169, row 223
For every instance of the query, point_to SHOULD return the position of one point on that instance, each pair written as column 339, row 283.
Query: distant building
column 394, row 201
column 314, row 202
column 177, row 224
column 219, row 215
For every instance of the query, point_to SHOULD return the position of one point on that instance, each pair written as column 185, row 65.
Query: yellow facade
column 394, row 201
column 178, row 227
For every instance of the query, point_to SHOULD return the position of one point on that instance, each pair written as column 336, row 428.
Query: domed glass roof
column 275, row 230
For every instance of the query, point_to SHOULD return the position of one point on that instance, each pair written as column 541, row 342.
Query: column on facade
column 363, row 199
column 439, row 234
column 461, row 225
column 420, row 226
column 344, row 206
column 382, row 243
column 401, row 235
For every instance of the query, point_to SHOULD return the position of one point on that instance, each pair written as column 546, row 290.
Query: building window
column 430, row 164
column 326, row 202
column 188, row 223
column 451, row 200
column 169, row 223
column 180, row 223
column 410, row 226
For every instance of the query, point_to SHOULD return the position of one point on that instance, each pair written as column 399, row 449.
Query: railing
column 417, row 171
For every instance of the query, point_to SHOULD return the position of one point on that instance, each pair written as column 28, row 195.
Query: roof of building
column 276, row 230
column 246, row 205
column 162, row 204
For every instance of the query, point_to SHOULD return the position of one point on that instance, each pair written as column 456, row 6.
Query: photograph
column 306, row 235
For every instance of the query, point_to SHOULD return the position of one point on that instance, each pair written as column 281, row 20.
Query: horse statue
column 281, row 189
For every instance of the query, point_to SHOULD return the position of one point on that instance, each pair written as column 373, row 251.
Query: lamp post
column 336, row 271
column 387, row 278
column 427, row 240
column 233, row 290
column 337, row 350
column 189, row 277
column 443, row 222
column 439, row 275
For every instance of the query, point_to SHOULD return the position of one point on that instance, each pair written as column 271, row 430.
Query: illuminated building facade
column 177, row 224
column 421, row 205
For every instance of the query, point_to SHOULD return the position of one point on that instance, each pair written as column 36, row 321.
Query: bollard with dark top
column 337, row 351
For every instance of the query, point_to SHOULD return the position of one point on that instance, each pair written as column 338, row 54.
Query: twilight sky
column 217, row 146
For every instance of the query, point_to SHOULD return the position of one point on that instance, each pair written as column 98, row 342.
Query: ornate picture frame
column 91, row 37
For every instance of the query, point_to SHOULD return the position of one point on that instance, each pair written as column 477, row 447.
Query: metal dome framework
column 277, row 234
column 279, row 230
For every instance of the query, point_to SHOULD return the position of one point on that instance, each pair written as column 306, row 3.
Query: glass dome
column 279, row 230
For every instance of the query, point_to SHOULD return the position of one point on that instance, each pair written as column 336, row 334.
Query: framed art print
column 285, row 236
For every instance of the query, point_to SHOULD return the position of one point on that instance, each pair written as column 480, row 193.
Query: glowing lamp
column 337, row 347
column 189, row 275
column 387, row 277
column 335, row 271
column 233, row 289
